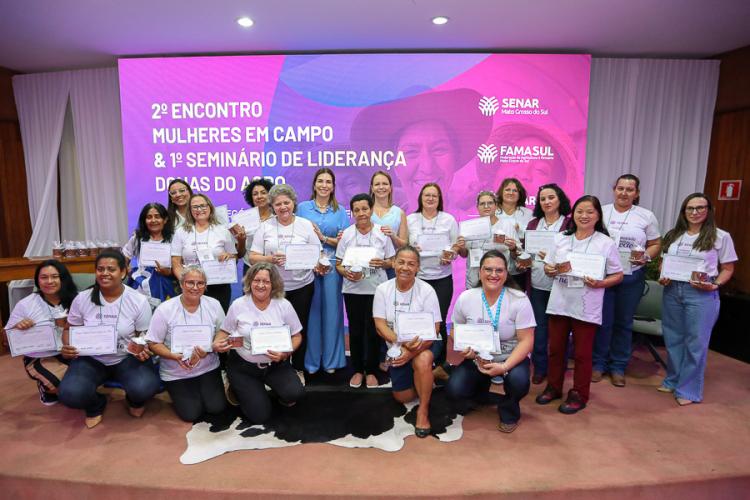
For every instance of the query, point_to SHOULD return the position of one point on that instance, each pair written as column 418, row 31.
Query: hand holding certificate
column 433, row 244
column 476, row 229
column 248, row 219
column 38, row 338
column 94, row 340
column 153, row 252
column 410, row 325
column 359, row 256
column 220, row 272
column 537, row 241
column 678, row 268
column 587, row 265
column 475, row 336
column 270, row 338
column 186, row 337
column 301, row 257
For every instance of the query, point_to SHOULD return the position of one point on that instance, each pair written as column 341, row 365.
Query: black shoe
column 573, row 404
column 547, row 396
column 47, row 398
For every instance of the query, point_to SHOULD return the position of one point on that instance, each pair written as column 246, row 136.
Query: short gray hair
column 282, row 190
column 192, row 268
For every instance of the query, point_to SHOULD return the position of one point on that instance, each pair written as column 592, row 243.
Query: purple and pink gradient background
column 333, row 90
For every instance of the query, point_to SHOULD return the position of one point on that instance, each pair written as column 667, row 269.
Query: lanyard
column 434, row 224
column 357, row 234
column 572, row 242
column 184, row 315
column 119, row 310
column 679, row 244
column 395, row 300
column 496, row 318
column 551, row 227
column 623, row 222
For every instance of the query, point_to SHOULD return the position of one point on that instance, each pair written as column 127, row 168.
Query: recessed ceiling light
column 245, row 21
column 439, row 20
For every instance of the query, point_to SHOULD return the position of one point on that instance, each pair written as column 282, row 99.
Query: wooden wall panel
column 729, row 158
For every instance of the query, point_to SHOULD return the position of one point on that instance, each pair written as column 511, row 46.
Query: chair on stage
column 647, row 319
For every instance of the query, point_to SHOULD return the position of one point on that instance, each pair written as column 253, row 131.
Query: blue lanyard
column 496, row 319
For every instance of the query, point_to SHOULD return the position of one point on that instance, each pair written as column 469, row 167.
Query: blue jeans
column 539, row 356
column 78, row 386
column 687, row 319
column 467, row 383
column 325, row 326
column 614, row 339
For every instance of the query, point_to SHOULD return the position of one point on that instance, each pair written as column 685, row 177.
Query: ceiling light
column 245, row 22
column 439, row 20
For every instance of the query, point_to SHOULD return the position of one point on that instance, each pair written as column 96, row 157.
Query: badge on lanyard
column 475, row 256
column 575, row 282
column 204, row 254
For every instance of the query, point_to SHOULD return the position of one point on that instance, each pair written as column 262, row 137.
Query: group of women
column 531, row 303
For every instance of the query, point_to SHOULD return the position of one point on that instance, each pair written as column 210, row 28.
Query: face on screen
column 430, row 157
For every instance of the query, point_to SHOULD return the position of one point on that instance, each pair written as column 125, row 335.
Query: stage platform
column 630, row 442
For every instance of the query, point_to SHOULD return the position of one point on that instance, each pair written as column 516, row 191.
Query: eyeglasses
column 195, row 284
column 698, row 210
column 494, row 270
column 200, row 208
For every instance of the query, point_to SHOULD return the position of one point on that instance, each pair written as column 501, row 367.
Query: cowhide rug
column 352, row 419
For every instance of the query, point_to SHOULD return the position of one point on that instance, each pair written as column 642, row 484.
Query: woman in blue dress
column 325, row 330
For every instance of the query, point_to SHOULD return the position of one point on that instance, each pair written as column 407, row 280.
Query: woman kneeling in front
column 190, row 371
column 507, row 312
column 108, row 305
column 411, row 363
column 249, row 371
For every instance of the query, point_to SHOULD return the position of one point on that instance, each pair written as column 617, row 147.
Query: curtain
column 71, row 201
column 41, row 100
column 651, row 118
column 95, row 102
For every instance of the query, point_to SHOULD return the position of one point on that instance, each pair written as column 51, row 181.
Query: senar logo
column 487, row 153
column 488, row 105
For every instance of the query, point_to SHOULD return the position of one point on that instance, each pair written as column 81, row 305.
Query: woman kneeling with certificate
column 263, row 330
column 181, row 333
column 493, row 326
column 105, row 322
column 399, row 309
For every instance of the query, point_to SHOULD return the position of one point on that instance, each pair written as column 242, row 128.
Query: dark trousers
column 539, row 300
column 78, row 387
column 444, row 289
column 522, row 279
column 249, row 380
column 301, row 299
column 583, row 344
column 222, row 293
column 193, row 397
column 363, row 339
column 468, row 384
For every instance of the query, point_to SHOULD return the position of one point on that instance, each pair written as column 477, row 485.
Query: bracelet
column 504, row 367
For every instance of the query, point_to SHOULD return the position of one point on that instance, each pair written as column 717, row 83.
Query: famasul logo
column 488, row 105
column 487, row 153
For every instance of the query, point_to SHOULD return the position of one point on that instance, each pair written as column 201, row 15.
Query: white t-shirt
column 244, row 315
column 583, row 303
column 517, row 221
column 34, row 307
column 179, row 220
column 272, row 237
column 515, row 314
column 483, row 246
column 634, row 227
column 539, row 279
column 185, row 244
column 374, row 238
column 722, row 253
column 130, row 313
column 172, row 313
column 430, row 267
column 389, row 300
